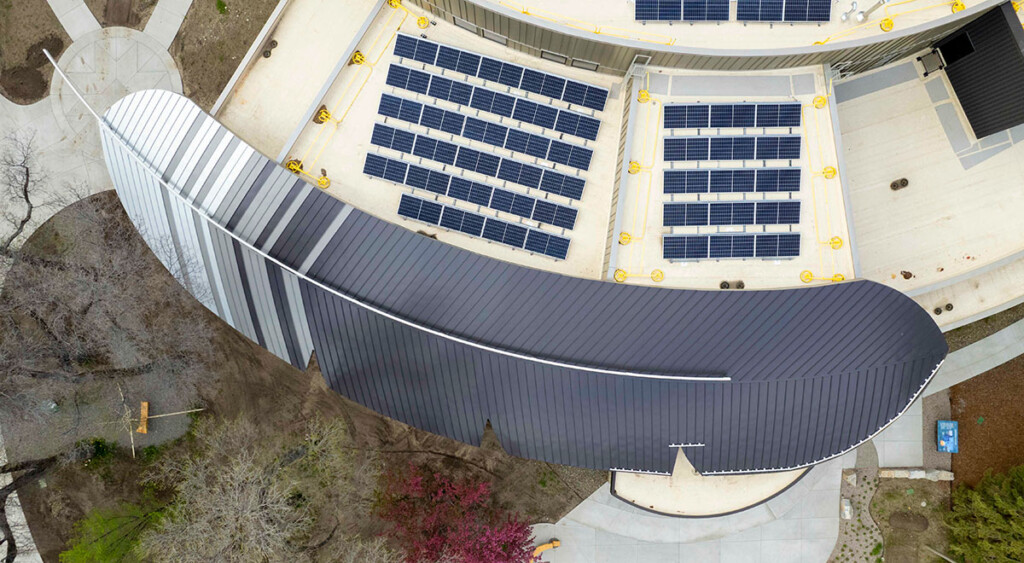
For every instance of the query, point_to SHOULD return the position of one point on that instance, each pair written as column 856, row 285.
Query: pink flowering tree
column 433, row 517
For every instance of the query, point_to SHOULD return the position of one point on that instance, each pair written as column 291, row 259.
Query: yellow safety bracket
column 1016, row 6
column 394, row 3
column 820, row 102
column 958, row 6
column 620, row 276
column 829, row 172
column 324, row 116
column 886, row 24
column 658, row 276
column 323, row 182
column 807, row 276
column 358, row 58
column 643, row 96
column 836, row 243
column 634, row 167
column 422, row 22
column 294, row 166
column 625, row 238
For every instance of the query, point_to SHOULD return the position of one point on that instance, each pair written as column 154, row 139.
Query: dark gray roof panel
column 445, row 339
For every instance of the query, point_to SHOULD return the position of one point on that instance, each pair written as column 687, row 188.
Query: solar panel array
column 476, row 193
column 498, row 103
column 474, row 224
column 776, row 147
column 481, row 162
column 488, row 132
column 694, row 116
column 732, row 213
column 784, row 10
column 746, row 10
column 698, row 247
column 724, row 180
column 509, row 74
column 685, row 10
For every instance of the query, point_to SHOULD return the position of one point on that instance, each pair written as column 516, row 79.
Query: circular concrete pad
column 106, row 65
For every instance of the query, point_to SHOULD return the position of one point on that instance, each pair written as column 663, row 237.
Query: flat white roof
column 958, row 222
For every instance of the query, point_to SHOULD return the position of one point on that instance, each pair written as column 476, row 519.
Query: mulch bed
column 991, row 416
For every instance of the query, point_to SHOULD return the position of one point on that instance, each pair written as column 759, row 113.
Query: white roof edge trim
column 371, row 308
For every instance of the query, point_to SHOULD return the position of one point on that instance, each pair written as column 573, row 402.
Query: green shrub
column 222, row 7
column 987, row 522
column 109, row 535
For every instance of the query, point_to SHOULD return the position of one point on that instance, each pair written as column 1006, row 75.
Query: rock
column 894, row 473
column 851, row 478
column 939, row 475
column 846, row 509
column 917, row 474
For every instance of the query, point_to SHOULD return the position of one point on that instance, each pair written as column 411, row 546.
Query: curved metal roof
column 567, row 370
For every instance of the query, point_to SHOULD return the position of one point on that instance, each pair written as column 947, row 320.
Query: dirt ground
column 210, row 45
column 247, row 381
column 988, row 408
column 122, row 13
column 26, row 27
column 969, row 334
column 906, row 525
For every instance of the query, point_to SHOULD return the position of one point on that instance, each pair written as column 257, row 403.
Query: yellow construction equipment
column 552, row 544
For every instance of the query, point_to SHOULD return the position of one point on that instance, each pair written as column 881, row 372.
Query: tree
column 82, row 318
column 244, row 496
column 987, row 521
column 435, row 518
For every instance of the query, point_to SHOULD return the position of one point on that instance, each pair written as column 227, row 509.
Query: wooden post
column 143, row 418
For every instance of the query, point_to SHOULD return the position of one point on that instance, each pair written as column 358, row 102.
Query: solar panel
column 731, row 213
column 696, row 247
column 477, row 193
column 732, row 148
column 405, row 46
column 788, row 10
column 490, row 101
column 658, row 10
column 374, row 165
column 448, row 58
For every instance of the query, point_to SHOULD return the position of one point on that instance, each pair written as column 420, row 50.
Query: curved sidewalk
column 799, row 525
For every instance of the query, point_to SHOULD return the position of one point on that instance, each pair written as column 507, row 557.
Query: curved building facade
column 567, row 370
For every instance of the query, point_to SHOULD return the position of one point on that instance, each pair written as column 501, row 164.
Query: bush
column 109, row 535
column 434, row 518
column 987, row 522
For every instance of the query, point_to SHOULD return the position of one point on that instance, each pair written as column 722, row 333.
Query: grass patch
column 222, row 7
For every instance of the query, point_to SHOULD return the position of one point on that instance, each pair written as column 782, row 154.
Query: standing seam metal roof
column 445, row 339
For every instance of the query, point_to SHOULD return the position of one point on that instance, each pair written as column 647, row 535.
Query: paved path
column 979, row 357
column 75, row 16
column 163, row 25
column 799, row 525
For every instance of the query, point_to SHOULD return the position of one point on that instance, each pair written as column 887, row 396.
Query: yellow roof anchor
column 634, row 167
column 820, row 102
column 620, row 276
column 625, row 238
column 658, row 275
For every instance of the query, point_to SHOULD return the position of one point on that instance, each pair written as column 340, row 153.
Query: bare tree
column 85, row 309
column 244, row 498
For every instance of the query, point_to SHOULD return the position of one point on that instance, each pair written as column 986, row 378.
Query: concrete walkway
column 75, row 16
column 799, row 525
column 163, row 25
column 979, row 357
